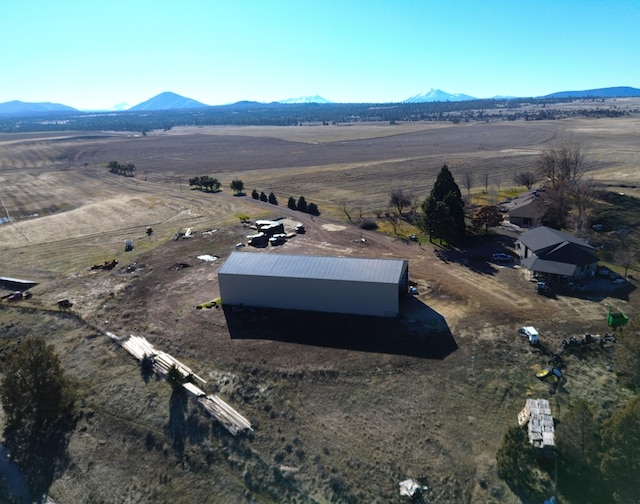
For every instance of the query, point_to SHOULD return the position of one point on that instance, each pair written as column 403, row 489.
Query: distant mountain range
column 436, row 95
column 306, row 99
column 610, row 92
column 173, row 101
column 17, row 107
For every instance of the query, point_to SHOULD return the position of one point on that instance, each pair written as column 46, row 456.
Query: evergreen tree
column 443, row 210
column 272, row 199
column 263, row 197
column 312, row 208
column 621, row 452
column 34, row 392
column 255, row 195
column 292, row 203
column 237, row 186
column 302, row 204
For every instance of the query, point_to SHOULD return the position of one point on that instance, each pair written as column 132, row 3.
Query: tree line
column 128, row 170
column 301, row 205
column 278, row 114
column 205, row 182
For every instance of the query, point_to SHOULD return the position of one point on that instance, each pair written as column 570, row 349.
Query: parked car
column 501, row 257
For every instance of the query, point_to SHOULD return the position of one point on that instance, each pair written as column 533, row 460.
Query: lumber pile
column 233, row 421
column 140, row 348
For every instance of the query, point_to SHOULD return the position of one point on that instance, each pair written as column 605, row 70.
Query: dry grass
column 351, row 423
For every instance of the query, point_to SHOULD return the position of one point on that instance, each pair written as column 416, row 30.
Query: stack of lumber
column 233, row 421
column 193, row 390
column 140, row 348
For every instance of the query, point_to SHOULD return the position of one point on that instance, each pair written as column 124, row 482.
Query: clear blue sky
column 93, row 54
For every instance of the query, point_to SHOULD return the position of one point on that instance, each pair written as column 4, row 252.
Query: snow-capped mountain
column 118, row 107
column 436, row 95
column 306, row 99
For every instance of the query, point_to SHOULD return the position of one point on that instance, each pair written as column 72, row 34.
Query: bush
column 369, row 225
column 516, row 459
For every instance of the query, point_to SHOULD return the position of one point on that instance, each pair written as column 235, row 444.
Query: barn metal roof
column 354, row 269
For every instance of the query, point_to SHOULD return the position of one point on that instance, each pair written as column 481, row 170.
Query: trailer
column 616, row 319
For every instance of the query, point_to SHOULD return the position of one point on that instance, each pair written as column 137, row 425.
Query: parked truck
column 530, row 333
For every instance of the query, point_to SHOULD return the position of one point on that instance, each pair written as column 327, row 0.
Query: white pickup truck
column 530, row 333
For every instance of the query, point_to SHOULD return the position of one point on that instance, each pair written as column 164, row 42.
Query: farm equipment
column 16, row 296
column 65, row 304
column 543, row 288
column 616, row 319
column 108, row 265
column 588, row 339
column 549, row 374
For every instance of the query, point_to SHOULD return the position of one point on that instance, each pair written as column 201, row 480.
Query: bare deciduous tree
column 467, row 181
column 626, row 255
column 582, row 195
column 485, row 180
column 527, row 179
column 394, row 220
column 562, row 165
column 346, row 212
column 399, row 200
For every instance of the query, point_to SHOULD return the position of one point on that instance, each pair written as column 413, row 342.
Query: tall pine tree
column 443, row 210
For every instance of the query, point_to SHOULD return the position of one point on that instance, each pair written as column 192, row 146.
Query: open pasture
column 332, row 424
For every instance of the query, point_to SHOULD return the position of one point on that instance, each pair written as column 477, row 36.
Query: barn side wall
column 335, row 296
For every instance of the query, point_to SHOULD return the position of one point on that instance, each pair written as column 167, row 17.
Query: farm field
column 339, row 422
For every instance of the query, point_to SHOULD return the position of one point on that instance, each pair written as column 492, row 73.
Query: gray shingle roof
column 543, row 237
column 315, row 267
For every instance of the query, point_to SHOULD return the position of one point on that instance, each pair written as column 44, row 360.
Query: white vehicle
column 530, row 333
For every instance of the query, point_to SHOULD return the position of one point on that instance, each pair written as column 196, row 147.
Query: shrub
column 369, row 225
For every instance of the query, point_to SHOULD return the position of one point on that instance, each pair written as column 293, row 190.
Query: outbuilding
column 359, row 286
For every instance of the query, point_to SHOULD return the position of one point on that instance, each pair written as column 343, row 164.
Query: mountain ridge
column 436, row 95
column 173, row 101
column 167, row 101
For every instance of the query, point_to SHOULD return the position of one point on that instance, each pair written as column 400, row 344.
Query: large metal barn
column 359, row 286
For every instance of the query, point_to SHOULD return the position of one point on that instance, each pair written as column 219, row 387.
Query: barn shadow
column 419, row 331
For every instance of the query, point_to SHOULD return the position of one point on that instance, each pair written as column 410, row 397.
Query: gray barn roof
column 315, row 267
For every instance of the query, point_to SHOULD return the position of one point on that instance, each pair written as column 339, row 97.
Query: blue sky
column 93, row 54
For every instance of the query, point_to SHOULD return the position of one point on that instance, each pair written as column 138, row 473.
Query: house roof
column 315, row 267
column 544, row 237
column 534, row 263
column 570, row 253
column 531, row 207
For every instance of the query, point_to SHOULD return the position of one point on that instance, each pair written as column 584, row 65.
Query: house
column 359, row 286
column 527, row 210
column 556, row 256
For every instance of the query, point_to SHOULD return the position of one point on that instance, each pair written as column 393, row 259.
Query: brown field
column 343, row 421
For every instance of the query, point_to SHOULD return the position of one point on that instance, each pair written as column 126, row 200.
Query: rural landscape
column 116, row 237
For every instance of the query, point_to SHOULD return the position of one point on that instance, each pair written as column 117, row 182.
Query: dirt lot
column 339, row 413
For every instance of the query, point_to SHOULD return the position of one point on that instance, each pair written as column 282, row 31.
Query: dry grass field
column 344, row 421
